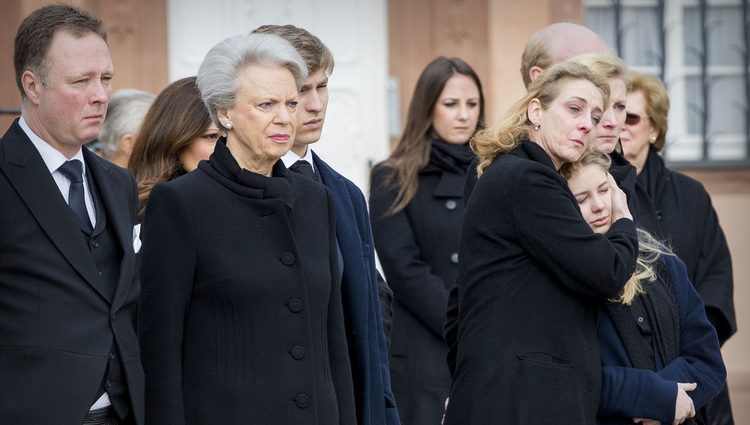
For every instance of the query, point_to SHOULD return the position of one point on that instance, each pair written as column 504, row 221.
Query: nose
column 608, row 119
column 598, row 203
column 314, row 104
column 100, row 91
column 284, row 115
column 586, row 124
column 463, row 113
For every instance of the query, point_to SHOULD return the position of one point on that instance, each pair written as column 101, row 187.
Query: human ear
column 31, row 85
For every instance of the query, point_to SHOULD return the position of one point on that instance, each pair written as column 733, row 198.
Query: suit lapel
column 28, row 174
column 111, row 195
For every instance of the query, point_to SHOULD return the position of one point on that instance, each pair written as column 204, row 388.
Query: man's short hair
column 315, row 54
column 125, row 113
column 35, row 34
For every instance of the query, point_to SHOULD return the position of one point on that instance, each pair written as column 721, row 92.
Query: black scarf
column 660, row 332
column 450, row 157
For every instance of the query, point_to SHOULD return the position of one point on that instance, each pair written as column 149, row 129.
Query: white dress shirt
column 53, row 159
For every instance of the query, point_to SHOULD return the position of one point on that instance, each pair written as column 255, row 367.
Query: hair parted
column 649, row 249
column 176, row 117
column 217, row 75
column 36, row 32
column 125, row 113
column 315, row 54
column 413, row 150
column 497, row 140
column 657, row 103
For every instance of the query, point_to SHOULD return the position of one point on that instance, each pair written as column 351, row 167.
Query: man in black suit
column 68, row 346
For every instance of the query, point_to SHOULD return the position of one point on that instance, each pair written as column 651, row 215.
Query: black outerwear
column 364, row 294
column 418, row 250
column 677, row 209
column 625, row 177
column 58, row 317
column 530, row 277
column 241, row 316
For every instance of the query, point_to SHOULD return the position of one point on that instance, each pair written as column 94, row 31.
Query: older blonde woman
column 531, row 271
column 238, row 327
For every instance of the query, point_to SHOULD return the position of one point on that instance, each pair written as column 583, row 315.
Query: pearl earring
column 228, row 126
column 536, row 126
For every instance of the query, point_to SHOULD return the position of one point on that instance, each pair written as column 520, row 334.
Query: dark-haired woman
column 416, row 204
column 176, row 134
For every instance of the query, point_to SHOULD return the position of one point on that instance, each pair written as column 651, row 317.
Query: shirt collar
column 52, row 158
column 291, row 157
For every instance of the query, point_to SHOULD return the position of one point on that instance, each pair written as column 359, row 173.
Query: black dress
column 241, row 317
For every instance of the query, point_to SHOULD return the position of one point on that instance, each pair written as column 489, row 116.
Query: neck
column 33, row 122
column 248, row 161
column 639, row 161
column 299, row 150
column 544, row 148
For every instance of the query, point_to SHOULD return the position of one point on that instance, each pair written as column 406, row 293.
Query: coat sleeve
column 168, row 262
column 700, row 358
column 636, row 393
column 414, row 284
column 552, row 232
column 337, row 345
column 713, row 275
column 382, row 313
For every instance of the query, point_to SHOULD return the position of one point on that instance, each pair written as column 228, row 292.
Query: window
column 705, row 71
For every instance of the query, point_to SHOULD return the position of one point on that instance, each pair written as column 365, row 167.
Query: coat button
column 450, row 204
column 640, row 319
column 114, row 317
column 287, row 258
column 112, row 356
column 298, row 353
column 454, row 258
column 95, row 243
column 295, row 305
column 303, row 400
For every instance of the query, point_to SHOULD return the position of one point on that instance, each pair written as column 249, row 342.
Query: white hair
column 125, row 113
column 217, row 75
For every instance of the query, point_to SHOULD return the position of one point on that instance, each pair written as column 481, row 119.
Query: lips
column 280, row 137
column 316, row 122
column 600, row 221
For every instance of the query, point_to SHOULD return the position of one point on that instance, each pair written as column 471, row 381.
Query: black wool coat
column 677, row 210
column 241, row 314
column 531, row 275
column 418, row 250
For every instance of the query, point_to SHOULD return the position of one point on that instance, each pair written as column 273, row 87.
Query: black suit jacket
column 57, row 320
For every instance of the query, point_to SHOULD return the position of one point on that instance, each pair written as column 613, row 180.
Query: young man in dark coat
column 363, row 290
column 68, row 347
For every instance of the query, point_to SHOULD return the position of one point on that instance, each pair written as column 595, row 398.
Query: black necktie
column 303, row 167
column 73, row 170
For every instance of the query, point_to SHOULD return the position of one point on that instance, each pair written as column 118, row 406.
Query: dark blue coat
column 628, row 392
column 367, row 345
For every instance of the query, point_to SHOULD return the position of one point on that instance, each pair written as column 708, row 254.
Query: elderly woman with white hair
column 237, row 325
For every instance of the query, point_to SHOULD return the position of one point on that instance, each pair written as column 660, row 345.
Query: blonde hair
column 497, row 140
column 657, row 103
column 649, row 248
column 604, row 64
